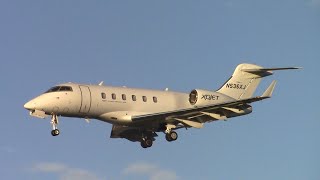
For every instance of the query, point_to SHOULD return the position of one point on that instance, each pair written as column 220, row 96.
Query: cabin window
column 134, row 98
column 124, row 97
column 144, row 98
column 103, row 95
column 113, row 95
column 155, row 100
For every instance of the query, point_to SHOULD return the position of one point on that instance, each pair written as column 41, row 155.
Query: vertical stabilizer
column 243, row 84
column 245, row 80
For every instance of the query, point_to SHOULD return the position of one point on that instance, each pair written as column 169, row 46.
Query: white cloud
column 78, row 174
column 49, row 167
column 150, row 170
column 64, row 172
column 140, row 168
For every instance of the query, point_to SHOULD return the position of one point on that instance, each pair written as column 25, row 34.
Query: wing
column 196, row 110
column 193, row 117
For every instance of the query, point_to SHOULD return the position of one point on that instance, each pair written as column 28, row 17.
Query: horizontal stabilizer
column 269, row 91
column 268, row 69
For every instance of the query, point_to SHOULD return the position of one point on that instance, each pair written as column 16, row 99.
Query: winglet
column 101, row 83
column 269, row 91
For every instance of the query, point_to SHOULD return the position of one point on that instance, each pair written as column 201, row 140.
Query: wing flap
column 190, row 123
column 215, row 116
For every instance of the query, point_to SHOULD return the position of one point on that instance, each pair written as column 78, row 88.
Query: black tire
column 143, row 144
column 55, row 132
column 168, row 138
column 148, row 142
column 52, row 133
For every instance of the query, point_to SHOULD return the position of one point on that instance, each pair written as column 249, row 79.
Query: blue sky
column 178, row 44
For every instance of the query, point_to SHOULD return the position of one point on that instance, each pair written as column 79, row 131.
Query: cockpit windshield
column 59, row 88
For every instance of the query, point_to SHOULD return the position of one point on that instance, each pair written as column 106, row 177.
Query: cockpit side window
column 65, row 88
column 53, row 89
column 59, row 88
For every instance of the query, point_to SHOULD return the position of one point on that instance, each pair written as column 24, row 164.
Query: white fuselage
column 115, row 105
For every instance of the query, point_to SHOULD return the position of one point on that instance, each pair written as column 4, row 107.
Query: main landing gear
column 146, row 142
column 54, row 121
column 171, row 136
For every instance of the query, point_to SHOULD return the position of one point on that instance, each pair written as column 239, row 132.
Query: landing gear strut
column 54, row 121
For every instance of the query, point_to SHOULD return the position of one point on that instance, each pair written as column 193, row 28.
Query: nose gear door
column 85, row 99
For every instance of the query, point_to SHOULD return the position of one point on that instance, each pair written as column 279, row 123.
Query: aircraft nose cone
column 29, row 105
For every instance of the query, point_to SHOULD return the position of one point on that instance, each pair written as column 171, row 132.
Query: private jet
column 139, row 114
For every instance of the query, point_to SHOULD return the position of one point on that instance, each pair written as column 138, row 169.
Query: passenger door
column 85, row 99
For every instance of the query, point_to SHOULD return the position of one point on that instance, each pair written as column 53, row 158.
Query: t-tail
column 245, row 80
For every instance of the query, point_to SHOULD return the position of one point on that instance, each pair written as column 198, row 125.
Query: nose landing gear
column 55, row 132
column 54, row 121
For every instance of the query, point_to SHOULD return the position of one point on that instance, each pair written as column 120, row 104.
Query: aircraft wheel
column 172, row 136
column 143, row 144
column 148, row 142
column 55, row 132
column 168, row 137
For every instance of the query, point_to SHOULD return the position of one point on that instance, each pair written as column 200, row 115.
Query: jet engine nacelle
column 199, row 97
